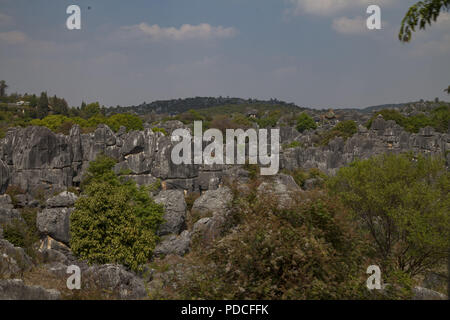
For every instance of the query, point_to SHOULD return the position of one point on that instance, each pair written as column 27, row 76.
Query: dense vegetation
column 390, row 211
column 114, row 221
column 305, row 122
column 308, row 251
column 344, row 129
column 403, row 202
column 63, row 124
column 438, row 118
column 178, row 106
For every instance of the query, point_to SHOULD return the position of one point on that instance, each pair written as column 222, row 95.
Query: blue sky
column 316, row 53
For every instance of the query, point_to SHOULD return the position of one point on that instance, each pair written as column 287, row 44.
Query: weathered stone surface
column 175, row 211
column 36, row 159
column 7, row 216
column 434, row 280
column 55, row 222
column 282, row 189
column 213, row 202
column 173, row 244
column 4, row 176
column 64, row 199
column 16, row 289
column 5, row 202
column 13, row 260
column 7, row 212
column 117, row 280
column 421, row 293
column 213, row 209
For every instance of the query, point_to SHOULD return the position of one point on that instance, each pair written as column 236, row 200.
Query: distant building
column 22, row 103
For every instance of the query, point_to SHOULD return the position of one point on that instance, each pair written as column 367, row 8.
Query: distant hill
column 177, row 106
column 415, row 104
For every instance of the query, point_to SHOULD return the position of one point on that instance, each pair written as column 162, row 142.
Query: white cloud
column 346, row 25
column 202, row 31
column 13, row 37
column 328, row 7
column 5, row 20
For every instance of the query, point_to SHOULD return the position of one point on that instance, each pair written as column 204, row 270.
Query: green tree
column 33, row 101
column 305, row 122
column 114, row 221
column 3, row 87
column 403, row 202
column 90, row 110
column 129, row 121
column 420, row 15
column 42, row 106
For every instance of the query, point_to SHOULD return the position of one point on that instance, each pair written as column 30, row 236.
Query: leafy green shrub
column 190, row 116
column 114, row 221
column 305, row 122
column 403, row 202
column 270, row 120
column 129, row 121
column 439, row 119
column 301, row 175
column 162, row 130
column 23, row 233
column 309, row 251
column 63, row 124
column 344, row 129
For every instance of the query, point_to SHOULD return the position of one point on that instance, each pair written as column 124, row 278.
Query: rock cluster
column 38, row 160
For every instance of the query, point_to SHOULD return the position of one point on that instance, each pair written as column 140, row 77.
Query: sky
column 315, row 53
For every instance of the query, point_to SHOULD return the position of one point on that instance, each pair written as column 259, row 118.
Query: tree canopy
column 420, row 15
column 403, row 202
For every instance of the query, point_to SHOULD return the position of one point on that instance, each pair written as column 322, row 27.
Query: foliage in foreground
column 114, row 220
column 308, row 251
column 403, row 202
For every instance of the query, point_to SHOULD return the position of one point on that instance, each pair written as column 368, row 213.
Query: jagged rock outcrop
column 13, row 260
column 7, row 212
column 16, row 289
column 54, row 220
column 213, row 209
column 281, row 188
column 384, row 136
column 116, row 280
column 38, row 160
column 175, row 211
column 173, row 244
column 421, row 293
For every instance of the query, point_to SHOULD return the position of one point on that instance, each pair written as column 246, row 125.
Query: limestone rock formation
column 117, row 280
column 172, row 244
column 7, row 212
column 175, row 211
column 15, row 289
column 13, row 260
column 54, row 220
